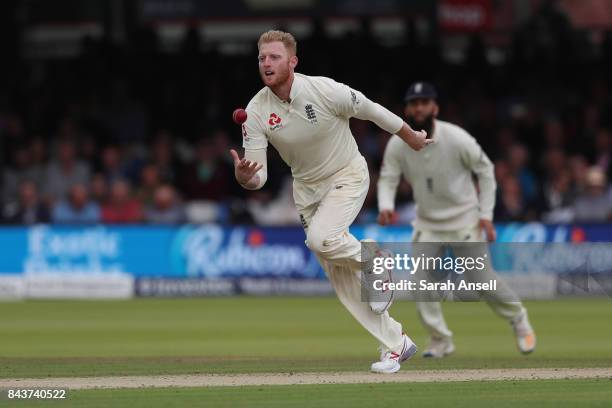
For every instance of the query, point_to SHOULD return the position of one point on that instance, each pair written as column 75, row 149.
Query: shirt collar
column 296, row 87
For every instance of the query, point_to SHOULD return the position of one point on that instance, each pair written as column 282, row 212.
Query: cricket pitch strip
column 263, row 379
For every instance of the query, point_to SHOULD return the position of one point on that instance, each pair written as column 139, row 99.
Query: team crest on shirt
column 245, row 135
column 310, row 114
column 275, row 121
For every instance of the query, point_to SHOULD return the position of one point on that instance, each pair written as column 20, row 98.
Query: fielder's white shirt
column 311, row 132
column 441, row 179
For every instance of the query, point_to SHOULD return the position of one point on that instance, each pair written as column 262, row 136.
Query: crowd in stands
column 131, row 134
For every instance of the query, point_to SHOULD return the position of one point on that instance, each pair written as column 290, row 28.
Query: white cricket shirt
column 441, row 179
column 311, row 132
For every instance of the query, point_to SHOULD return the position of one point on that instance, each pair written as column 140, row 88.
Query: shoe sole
column 412, row 350
column 392, row 371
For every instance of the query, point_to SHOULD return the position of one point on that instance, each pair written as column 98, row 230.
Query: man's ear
column 293, row 61
column 436, row 110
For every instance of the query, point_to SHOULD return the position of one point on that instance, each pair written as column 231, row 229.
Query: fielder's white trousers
column 327, row 209
column 430, row 312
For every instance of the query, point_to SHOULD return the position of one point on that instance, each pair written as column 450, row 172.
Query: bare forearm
column 416, row 139
column 258, row 179
column 406, row 133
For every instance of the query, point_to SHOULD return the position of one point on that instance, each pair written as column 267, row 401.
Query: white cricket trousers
column 327, row 209
column 430, row 312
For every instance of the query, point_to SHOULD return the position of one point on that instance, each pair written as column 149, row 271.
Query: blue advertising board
column 506, row 233
column 211, row 251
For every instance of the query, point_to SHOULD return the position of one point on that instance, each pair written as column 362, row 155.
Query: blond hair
column 287, row 39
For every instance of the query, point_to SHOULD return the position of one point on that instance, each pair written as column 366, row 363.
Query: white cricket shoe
column 525, row 336
column 439, row 347
column 390, row 361
column 381, row 300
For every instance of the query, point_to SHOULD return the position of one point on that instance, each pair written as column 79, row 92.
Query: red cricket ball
column 239, row 116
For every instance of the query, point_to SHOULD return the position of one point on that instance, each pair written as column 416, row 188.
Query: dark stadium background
column 116, row 184
column 142, row 93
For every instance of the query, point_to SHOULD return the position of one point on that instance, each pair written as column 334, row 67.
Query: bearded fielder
column 307, row 120
column 449, row 207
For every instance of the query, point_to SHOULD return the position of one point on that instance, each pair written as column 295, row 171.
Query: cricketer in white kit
column 449, row 208
column 307, row 120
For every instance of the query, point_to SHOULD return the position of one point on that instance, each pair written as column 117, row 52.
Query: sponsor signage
column 202, row 260
column 464, row 15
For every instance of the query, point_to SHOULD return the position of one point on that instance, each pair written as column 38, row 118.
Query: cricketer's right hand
column 244, row 169
column 416, row 139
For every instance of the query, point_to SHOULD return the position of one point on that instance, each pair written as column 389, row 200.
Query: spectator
column 555, row 161
column 149, row 183
column 603, row 147
column 99, row 188
column 112, row 163
column 20, row 171
column 510, row 204
column 65, row 171
column 533, row 98
column 557, row 198
column 518, row 160
column 29, row 210
column 502, row 170
column 121, row 207
column 38, row 154
column 579, row 168
column 77, row 208
column 166, row 208
column 162, row 156
column 593, row 205
column 207, row 178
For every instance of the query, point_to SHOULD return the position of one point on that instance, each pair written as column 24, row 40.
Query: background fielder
column 449, row 207
column 307, row 120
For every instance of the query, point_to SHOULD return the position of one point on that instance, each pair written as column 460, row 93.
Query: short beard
column 281, row 78
column 427, row 124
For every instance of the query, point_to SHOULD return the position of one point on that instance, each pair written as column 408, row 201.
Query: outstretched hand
column 244, row 169
column 417, row 139
column 489, row 230
column 386, row 217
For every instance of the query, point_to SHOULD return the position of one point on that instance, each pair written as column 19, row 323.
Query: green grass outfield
column 556, row 394
column 247, row 334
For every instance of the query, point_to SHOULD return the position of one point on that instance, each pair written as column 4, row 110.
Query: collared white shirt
column 441, row 179
column 311, row 131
